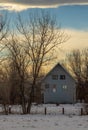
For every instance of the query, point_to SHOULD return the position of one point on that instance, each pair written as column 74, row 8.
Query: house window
column 46, row 86
column 64, row 87
column 55, row 77
column 62, row 77
column 42, row 98
column 54, row 88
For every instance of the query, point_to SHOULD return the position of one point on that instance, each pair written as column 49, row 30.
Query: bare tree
column 4, row 27
column 77, row 62
column 41, row 37
column 4, row 87
column 4, row 31
column 85, row 72
column 18, row 64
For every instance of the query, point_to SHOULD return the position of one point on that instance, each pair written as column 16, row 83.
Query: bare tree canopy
column 4, row 33
column 4, row 27
column 41, row 36
column 18, row 63
column 77, row 62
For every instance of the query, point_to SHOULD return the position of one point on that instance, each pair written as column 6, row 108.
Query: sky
column 72, row 15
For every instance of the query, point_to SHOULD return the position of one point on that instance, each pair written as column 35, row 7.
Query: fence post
column 9, row 109
column 63, row 111
column 81, row 111
column 45, row 111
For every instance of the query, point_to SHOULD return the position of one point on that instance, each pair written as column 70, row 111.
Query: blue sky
column 71, row 15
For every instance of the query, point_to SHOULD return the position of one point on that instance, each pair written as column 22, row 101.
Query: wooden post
column 81, row 111
column 9, row 109
column 45, row 111
column 63, row 111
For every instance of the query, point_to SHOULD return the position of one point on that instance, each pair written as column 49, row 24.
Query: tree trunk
column 24, row 106
column 5, row 109
column 31, row 97
column 23, row 101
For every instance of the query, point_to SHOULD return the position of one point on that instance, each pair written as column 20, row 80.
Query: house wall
column 62, row 94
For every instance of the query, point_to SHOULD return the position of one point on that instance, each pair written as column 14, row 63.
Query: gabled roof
column 58, row 64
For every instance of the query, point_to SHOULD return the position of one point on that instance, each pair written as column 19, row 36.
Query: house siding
column 62, row 95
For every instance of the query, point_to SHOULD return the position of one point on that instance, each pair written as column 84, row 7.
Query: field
column 54, row 120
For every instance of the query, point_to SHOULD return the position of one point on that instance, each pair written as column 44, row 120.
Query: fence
column 58, row 111
column 48, row 110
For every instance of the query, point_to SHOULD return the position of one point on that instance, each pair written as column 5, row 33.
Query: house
column 58, row 86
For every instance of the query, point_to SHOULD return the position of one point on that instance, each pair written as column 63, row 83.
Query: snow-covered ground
column 42, row 122
column 52, row 121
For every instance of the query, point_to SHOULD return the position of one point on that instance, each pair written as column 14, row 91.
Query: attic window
column 55, row 77
column 62, row 77
column 46, row 86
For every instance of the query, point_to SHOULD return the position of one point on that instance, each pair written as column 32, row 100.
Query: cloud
column 44, row 2
column 23, row 4
column 78, row 40
column 13, row 7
